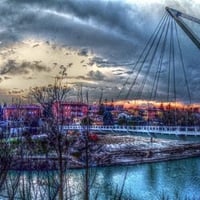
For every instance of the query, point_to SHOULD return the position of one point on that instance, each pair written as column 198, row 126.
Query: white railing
column 170, row 130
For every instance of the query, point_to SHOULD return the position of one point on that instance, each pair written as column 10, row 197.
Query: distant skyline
column 97, row 41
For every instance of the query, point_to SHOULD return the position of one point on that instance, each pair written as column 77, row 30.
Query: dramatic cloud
column 98, row 25
column 110, row 33
column 11, row 67
column 96, row 75
column 83, row 52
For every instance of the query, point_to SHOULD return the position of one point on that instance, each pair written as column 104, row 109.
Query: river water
column 174, row 180
column 166, row 180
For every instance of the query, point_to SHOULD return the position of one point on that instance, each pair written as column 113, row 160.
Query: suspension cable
column 140, row 90
column 183, row 66
column 141, row 55
column 169, row 65
column 146, row 56
column 160, row 64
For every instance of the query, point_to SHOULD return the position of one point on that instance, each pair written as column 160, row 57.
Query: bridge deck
column 169, row 130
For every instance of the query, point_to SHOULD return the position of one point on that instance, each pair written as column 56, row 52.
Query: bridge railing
column 178, row 130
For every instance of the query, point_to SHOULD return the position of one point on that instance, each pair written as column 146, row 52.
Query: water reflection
column 173, row 180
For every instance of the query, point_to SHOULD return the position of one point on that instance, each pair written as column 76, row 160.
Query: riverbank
column 145, row 150
column 130, row 150
column 112, row 150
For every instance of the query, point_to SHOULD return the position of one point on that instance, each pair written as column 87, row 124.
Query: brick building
column 70, row 111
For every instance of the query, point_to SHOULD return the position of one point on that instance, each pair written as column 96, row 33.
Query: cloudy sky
column 98, row 41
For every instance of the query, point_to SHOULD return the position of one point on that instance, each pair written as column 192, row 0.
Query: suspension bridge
column 160, row 74
column 150, row 130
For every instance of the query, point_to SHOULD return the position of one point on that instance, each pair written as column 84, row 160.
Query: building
column 24, row 112
column 70, row 112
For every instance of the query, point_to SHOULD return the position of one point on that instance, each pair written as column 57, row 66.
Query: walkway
column 168, row 130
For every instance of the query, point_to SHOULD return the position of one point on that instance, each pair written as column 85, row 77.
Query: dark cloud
column 83, row 52
column 29, row 78
column 7, row 77
column 118, row 74
column 78, row 77
column 35, row 45
column 11, row 67
column 16, row 91
column 118, row 70
column 81, row 77
column 100, row 62
column 129, row 72
column 96, row 75
column 95, row 91
column 48, row 20
column 69, row 65
column 116, row 15
column 39, row 67
column 113, row 30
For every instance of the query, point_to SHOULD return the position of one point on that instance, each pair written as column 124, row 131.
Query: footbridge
column 149, row 130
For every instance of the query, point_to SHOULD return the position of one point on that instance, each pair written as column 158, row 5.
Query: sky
column 98, row 43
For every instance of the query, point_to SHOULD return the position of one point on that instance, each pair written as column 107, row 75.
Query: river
column 178, row 179
column 172, row 180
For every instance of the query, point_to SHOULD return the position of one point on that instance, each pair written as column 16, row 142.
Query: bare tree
column 5, row 161
column 50, row 97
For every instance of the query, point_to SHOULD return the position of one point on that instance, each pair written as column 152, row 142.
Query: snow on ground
column 114, row 143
